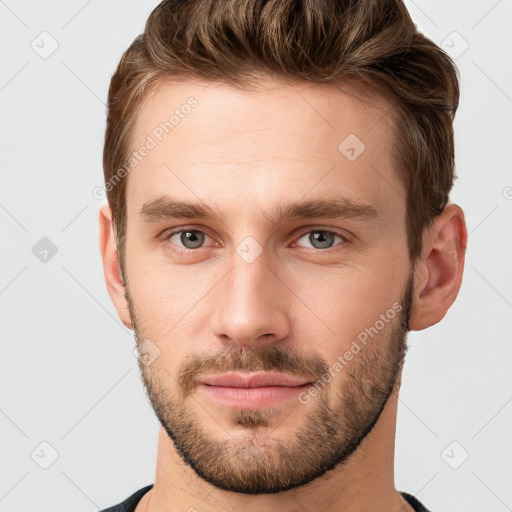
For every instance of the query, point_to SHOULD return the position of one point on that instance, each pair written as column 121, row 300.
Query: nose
column 252, row 304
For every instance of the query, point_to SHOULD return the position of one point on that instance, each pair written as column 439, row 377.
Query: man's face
column 248, row 292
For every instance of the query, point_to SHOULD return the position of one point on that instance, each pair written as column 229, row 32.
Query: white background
column 68, row 373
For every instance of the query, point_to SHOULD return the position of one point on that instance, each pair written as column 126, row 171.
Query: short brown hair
column 372, row 42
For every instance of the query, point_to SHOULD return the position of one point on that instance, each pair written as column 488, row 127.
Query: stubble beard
column 251, row 460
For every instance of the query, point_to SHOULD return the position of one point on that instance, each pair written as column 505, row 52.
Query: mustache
column 270, row 358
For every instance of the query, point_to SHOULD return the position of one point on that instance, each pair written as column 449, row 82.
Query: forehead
column 274, row 141
column 290, row 108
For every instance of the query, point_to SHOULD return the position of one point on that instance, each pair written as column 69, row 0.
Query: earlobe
column 111, row 267
column 438, row 275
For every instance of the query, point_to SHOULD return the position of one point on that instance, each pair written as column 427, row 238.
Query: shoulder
column 414, row 502
column 130, row 503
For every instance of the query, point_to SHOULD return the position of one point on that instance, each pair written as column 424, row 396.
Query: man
column 278, row 176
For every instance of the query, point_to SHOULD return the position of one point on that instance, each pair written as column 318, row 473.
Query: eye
column 187, row 238
column 323, row 238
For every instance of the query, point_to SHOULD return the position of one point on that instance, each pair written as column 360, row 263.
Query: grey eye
column 321, row 238
column 190, row 239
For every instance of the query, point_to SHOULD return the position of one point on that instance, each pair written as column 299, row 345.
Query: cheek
column 342, row 306
column 170, row 302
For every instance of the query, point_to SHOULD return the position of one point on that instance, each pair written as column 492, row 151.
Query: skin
column 243, row 154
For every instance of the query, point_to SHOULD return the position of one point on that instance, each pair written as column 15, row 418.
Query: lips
column 253, row 390
column 254, row 380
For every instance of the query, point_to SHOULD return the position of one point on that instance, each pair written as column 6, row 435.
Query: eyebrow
column 164, row 207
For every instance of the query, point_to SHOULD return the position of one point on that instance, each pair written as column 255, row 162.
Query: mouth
column 255, row 390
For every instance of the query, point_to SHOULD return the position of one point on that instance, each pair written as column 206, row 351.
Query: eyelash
column 166, row 236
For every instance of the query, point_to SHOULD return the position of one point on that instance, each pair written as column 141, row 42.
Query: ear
column 438, row 273
column 111, row 267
